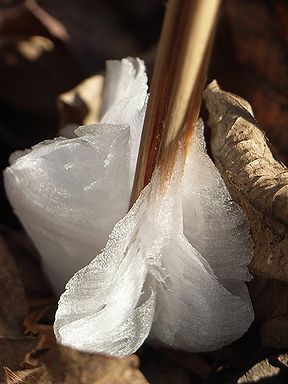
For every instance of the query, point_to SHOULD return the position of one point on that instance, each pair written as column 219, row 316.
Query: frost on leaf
column 173, row 269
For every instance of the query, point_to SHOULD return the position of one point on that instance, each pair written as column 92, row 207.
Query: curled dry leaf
column 259, row 184
column 255, row 179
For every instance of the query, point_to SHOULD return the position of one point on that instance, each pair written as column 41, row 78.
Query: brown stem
column 177, row 85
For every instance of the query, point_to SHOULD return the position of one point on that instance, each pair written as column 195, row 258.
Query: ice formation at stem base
column 174, row 267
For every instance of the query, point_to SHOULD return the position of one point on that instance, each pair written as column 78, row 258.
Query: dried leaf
column 28, row 376
column 14, row 352
column 61, row 365
column 260, row 185
column 43, row 332
column 32, row 320
column 68, row 366
column 269, row 369
column 81, row 105
column 255, row 179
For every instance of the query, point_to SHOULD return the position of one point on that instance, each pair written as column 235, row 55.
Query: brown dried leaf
column 44, row 332
column 81, row 105
column 14, row 352
column 67, row 366
column 32, row 320
column 28, row 376
column 269, row 369
column 255, row 179
column 61, row 365
column 259, row 184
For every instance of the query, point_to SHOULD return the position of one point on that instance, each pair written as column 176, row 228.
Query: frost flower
column 173, row 269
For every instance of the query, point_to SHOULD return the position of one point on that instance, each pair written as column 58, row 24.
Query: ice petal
column 214, row 224
column 124, row 100
column 69, row 193
column 203, row 302
column 108, row 306
column 194, row 312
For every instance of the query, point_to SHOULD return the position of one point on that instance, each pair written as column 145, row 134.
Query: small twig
column 177, row 85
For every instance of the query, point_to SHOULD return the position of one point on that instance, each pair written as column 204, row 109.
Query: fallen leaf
column 268, row 369
column 259, row 183
column 35, row 326
column 28, row 376
column 67, row 366
column 62, row 365
column 82, row 104
column 14, row 353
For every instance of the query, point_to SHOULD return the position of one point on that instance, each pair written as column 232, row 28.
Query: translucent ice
column 173, row 269
column 176, row 263
column 69, row 193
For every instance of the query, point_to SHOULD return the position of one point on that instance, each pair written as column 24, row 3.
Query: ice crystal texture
column 173, row 268
column 69, row 193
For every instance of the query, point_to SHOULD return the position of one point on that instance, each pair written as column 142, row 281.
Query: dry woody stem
column 177, row 85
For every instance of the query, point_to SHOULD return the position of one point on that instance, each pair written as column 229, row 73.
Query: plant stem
column 177, row 86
